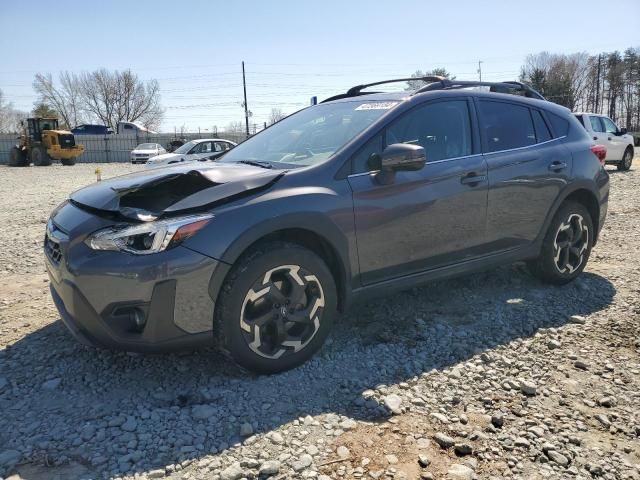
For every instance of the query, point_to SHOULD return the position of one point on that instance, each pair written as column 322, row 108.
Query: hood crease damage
column 147, row 196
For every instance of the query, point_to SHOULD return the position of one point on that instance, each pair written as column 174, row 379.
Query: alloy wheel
column 626, row 161
column 282, row 311
column 570, row 244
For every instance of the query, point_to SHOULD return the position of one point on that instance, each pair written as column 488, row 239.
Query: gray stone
column 444, row 440
column 303, row 462
column 459, row 472
column 558, row 458
column 423, row 461
column 202, row 412
column 463, row 449
column 343, row 452
column 528, row 387
column 277, row 438
column 497, row 420
column 581, row 365
column 391, row 459
column 271, row 467
column 8, row 458
column 246, row 430
column 130, row 425
column 233, row 472
column 159, row 473
column 393, row 402
column 52, row 384
column 578, row 319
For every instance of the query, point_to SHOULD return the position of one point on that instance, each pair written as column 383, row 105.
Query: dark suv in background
column 361, row 195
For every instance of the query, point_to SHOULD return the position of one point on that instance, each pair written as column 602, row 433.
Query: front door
column 428, row 218
column 616, row 144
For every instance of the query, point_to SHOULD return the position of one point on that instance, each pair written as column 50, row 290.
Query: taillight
column 599, row 151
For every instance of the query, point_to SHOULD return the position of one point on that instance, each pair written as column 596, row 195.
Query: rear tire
column 566, row 246
column 39, row 156
column 68, row 162
column 627, row 160
column 18, row 158
column 276, row 307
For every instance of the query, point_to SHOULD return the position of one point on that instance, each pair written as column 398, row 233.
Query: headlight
column 151, row 237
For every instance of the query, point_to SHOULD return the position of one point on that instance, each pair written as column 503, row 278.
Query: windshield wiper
column 256, row 163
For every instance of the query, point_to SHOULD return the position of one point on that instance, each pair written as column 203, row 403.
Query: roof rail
column 440, row 83
column 357, row 90
column 501, row 87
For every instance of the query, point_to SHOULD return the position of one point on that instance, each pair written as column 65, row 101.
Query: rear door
column 527, row 168
column 428, row 218
column 615, row 142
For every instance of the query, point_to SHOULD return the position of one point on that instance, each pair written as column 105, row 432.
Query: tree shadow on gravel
column 119, row 412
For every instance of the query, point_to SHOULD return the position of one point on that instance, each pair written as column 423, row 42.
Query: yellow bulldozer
column 41, row 142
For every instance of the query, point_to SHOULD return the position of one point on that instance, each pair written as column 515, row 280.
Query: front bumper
column 127, row 302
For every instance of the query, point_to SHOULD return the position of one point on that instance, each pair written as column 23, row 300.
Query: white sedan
column 195, row 150
column 145, row 151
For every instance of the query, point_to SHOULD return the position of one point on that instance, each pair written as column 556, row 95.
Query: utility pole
column 246, row 109
column 480, row 69
column 598, row 86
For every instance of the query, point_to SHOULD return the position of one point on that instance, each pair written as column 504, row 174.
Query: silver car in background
column 196, row 150
column 145, row 151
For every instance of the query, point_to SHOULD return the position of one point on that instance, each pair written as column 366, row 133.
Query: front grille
column 52, row 250
column 66, row 140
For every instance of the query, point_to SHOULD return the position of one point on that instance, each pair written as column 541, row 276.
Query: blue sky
column 292, row 49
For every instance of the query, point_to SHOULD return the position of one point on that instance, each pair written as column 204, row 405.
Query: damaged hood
column 149, row 194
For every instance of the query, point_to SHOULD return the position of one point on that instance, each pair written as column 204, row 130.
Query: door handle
column 557, row 166
column 609, row 138
column 595, row 138
column 473, row 179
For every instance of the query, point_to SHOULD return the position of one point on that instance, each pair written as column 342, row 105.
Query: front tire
column 18, row 158
column 39, row 156
column 566, row 246
column 275, row 308
column 627, row 160
column 68, row 162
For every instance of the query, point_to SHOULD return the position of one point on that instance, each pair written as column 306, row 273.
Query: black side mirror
column 397, row 157
column 622, row 131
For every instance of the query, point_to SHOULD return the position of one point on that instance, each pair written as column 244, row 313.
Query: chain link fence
column 116, row 147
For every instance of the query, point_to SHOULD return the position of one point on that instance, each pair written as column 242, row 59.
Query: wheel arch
column 584, row 194
column 318, row 236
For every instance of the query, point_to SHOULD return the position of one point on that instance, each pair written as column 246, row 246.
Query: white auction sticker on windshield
column 377, row 106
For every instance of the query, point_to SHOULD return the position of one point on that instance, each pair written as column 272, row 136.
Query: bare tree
column 276, row 115
column 106, row 96
column 65, row 98
column 10, row 118
column 235, row 128
column 114, row 97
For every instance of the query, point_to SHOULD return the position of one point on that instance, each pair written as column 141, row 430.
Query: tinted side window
column 559, row 125
column 442, row 128
column 542, row 131
column 506, row 126
column 596, row 124
column 609, row 126
column 360, row 160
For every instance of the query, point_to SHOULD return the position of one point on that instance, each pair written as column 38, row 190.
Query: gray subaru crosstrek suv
column 361, row 195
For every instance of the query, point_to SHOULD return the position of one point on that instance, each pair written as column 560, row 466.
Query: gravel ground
column 490, row 376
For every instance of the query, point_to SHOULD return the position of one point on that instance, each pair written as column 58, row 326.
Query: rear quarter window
column 559, row 125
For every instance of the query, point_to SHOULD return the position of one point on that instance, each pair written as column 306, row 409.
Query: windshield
column 146, row 146
column 312, row 135
column 186, row 147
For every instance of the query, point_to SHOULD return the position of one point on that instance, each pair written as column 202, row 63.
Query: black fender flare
column 580, row 185
column 313, row 222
